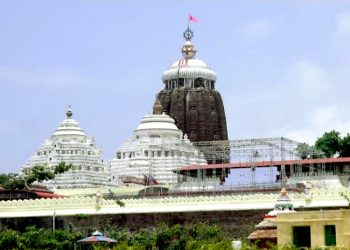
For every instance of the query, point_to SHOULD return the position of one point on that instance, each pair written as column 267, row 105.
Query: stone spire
column 190, row 98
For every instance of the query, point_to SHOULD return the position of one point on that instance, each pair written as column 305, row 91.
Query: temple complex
column 190, row 98
column 156, row 150
column 69, row 144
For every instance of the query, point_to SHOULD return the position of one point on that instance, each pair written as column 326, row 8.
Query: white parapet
column 94, row 205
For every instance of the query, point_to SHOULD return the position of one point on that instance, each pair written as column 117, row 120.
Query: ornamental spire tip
column 188, row 50
column 188, row 34
column 69, row 112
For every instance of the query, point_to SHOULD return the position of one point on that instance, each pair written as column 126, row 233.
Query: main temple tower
column 190, row 97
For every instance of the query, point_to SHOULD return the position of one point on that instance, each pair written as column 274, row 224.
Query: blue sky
column 282, row 66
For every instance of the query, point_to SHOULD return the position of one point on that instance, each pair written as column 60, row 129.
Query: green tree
column 345, row 146
column 178, row 237
column 37, row 173
column 62, row 167
column 329, row 143
column 15, row 183
column 163, row 237
column 4, row 178
column 9, row 239
column 11, row 181
column 304, row 150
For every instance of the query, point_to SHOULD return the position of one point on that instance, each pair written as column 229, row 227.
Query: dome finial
column 188, row 50
column 69, row 112
column 188, row 34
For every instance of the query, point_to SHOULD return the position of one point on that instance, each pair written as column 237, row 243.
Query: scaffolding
column 274, row 152
column 263, row 149
column 256, row 150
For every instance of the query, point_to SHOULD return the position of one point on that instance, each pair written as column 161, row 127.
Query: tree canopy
column 11, row 181
column 38, row 173
column 305, row 151
column 191, row 236
column 329, row 143
column 345, row 146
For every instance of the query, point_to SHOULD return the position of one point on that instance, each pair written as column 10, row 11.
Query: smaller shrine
column 265, row 234
column 69, row 144
column 155, row 151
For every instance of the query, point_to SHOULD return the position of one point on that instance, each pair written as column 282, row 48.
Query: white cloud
column 309, row 79
column 39, row 78
column 302, row 104
column 307, row 100
column 318, row 103
column 317, row 122
column 256, row 30
column 322, row 119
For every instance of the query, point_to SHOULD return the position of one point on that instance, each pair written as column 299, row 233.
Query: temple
column 190, row 98
column 156, row 150
column 69, row 144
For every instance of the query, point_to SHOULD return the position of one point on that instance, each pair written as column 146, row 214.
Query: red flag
column 192, row 19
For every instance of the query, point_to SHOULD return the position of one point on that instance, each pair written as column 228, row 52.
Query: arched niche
column 199, row 82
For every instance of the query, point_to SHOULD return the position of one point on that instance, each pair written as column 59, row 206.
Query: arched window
column 199, row 82
column 181, row 82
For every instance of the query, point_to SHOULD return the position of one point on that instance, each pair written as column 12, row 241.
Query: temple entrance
column 301, row 236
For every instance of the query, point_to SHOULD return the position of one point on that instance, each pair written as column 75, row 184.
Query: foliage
column 305, row 151
column 177, row 237
column 4, row 178
column 9, row 239
column 332, row 143
column 329, row 143
column 62, row 167
column 199, row 236
column 82, row 216
column 345, row 146
column 11, row 181
column 34, row 238
column 37, row 173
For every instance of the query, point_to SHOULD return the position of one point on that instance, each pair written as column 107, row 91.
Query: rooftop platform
column 267, row 163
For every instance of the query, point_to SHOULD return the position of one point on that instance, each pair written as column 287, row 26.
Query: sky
column 283, row 66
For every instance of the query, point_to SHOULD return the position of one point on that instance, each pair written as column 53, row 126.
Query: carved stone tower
column 189, row 96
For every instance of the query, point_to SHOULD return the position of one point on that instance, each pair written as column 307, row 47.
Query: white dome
column 189, row 63
column 157, row 122
column 69, row 127
column 189, row 68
